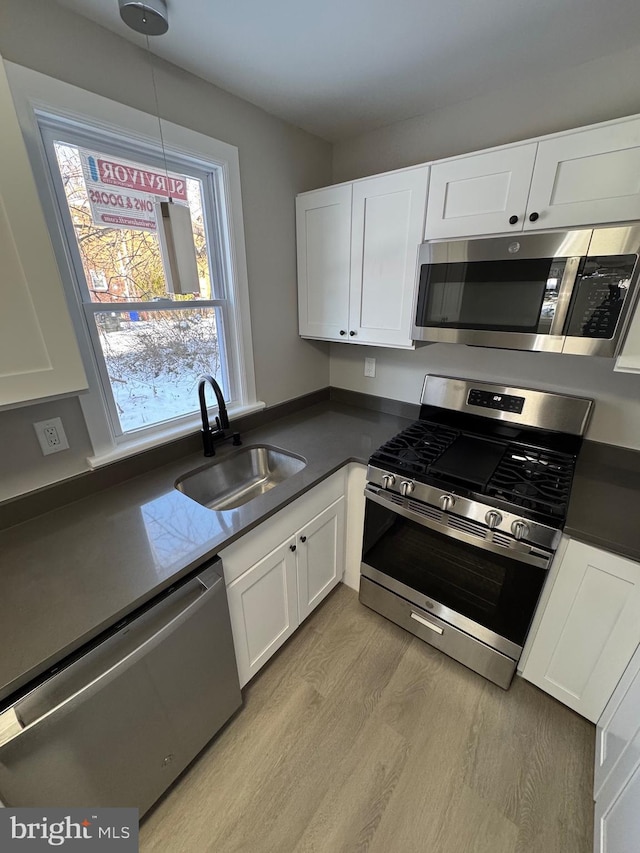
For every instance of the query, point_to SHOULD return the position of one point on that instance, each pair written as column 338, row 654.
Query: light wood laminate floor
column 359, row 737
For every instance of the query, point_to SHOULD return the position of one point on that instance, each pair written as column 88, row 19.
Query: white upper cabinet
column 323, row 226
column 481, row 194
column 589, row 629
column 387, row 226
column 39, row 356
column 588, row 177
column 357, row 251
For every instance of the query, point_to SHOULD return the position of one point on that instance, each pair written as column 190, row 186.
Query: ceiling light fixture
column 175, row 231
column 149, row 18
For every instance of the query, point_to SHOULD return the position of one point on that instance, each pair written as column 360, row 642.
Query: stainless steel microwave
column 559, row 291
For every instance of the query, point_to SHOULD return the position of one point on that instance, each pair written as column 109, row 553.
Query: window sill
column 161, row 437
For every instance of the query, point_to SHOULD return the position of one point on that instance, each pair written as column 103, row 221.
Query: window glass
column 151, row 343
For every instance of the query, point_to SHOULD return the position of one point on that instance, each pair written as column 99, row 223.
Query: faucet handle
column 218, row 426
column 236, row 439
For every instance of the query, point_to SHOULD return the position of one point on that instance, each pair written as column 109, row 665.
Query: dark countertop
column 71, row 573
column 604, row 509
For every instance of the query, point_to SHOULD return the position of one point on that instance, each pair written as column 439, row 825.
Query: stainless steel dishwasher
column 117, row 723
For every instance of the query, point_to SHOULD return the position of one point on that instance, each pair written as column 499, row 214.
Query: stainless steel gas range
column 464, row 511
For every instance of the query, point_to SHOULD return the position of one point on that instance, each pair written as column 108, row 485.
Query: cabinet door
column 323, row 227
column 619, row 727
column 264, row 609
column 629, row 359
column 480, row 193
column 39, row 356
column 320, row 550
column 387, row 227
column 587, row 178
column 617, row 813
column 588, row 631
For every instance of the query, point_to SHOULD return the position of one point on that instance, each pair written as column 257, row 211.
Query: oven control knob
column 447, row 502
column 388, row 480
column 406, row 487
column 520, row 529
column 493, row 519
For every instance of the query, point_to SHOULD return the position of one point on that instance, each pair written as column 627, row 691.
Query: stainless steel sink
column 240, row 477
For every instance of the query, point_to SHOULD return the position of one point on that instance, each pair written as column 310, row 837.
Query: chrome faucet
column 210, row 436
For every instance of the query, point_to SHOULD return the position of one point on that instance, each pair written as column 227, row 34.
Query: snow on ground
column 154, row 366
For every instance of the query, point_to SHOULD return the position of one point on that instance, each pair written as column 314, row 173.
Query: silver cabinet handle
column 426, row 623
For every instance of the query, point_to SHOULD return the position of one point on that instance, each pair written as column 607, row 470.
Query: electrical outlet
column 51, row 436
column 370, row 367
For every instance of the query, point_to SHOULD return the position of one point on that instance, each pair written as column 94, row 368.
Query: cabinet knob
column 342, row 332
column 303, row 538
column 292, row 547
column 513, row 219
column 533, row 216
column 352, row 333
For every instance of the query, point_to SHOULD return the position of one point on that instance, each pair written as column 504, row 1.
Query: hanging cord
column 155, row 96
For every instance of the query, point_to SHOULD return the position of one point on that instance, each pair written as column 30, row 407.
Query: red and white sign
column 121, row 174
column 122, row 195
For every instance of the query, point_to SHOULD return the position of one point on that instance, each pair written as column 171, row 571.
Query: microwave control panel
column 501, row 402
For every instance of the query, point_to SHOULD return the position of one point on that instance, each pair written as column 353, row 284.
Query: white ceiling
column 342, row 67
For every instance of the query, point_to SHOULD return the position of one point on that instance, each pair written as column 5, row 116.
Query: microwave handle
column 569, row 278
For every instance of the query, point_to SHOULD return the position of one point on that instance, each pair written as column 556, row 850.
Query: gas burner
column 415, row 448
column 538, row 480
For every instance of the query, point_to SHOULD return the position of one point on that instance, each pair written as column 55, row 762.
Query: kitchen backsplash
column 399, row 376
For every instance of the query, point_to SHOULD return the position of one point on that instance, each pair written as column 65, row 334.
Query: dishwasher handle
column 103, row 668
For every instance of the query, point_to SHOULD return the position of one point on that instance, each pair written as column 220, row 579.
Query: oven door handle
column 516, row 552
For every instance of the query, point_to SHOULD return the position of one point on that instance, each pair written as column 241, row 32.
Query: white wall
column 400, row 373
column 277, row 161
column 595, row 91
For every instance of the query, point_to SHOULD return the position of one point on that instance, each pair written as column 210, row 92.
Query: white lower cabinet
column 320, row 557
column 617, row 770
column 588, row 631
column 279, row 572
column 263, row 608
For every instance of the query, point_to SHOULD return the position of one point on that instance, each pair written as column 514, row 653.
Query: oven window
column 602, row 287
column 493, row 590
column 503, row 295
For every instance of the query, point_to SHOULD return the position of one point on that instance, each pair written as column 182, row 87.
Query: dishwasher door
column 116, row 726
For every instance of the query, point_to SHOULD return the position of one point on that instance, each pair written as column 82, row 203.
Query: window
column 150, row 344
column 148, row 340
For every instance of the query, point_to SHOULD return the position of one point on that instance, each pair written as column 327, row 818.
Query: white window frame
column 54, row 103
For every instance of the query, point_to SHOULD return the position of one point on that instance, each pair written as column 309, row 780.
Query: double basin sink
column 239, row 477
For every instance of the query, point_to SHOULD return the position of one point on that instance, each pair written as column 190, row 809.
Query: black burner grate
column 415, row 448
column 539, row 480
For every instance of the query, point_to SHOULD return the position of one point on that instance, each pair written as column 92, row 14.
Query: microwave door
column 495, row 302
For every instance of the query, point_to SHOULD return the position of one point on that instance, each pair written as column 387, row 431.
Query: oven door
column 484, row 589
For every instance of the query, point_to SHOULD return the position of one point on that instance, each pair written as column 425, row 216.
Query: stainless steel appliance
column 559, row 291
column 464, row 510
column 120, row 720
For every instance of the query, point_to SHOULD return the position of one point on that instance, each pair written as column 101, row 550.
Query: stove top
column 507, row 447
column 533, row 478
